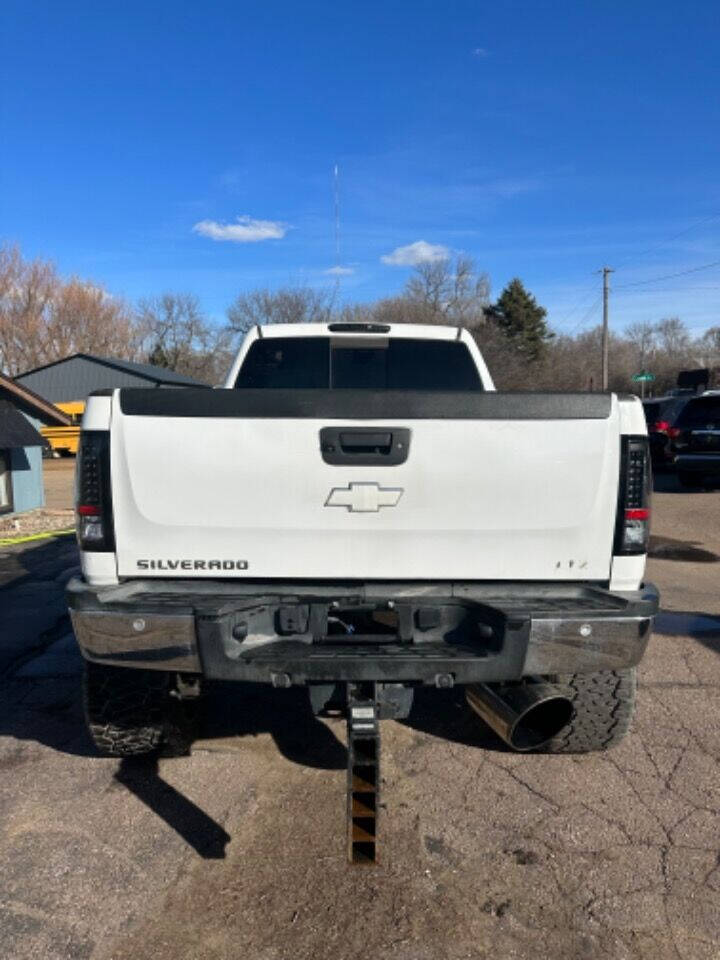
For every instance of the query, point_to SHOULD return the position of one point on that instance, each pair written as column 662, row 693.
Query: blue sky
column 190, row 146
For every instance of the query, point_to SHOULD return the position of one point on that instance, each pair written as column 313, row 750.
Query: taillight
column 632, row 531
column 93, row 500
column 674, row 432
column 660, row 426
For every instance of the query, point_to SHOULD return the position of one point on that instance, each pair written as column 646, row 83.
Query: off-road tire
column 127, row 711
column 604, row 705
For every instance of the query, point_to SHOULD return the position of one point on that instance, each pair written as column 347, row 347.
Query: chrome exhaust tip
column 525, row 715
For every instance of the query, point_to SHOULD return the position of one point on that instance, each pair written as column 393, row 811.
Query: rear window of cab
column 701, row 412
column 348, row 363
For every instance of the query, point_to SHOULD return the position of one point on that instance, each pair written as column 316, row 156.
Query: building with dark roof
column 22, row 412
column 77, row 376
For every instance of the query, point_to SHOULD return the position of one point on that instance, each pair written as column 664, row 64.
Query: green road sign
column 643, row 377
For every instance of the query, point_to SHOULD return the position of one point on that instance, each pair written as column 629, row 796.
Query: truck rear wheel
column 127, row 711
column 604, row 705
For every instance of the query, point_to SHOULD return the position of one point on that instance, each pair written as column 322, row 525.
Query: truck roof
column 338, row 328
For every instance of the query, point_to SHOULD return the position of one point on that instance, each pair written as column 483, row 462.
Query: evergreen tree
column 159, row 358
column 521, row 318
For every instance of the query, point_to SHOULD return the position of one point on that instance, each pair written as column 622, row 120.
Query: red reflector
column 89, row 511
column 639, row 514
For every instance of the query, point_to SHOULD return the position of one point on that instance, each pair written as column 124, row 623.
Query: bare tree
column 44, row 318
column 26, row 290
column 288, row 305
column 355, row 313
column 643, row 337
column 707, row 348
column 674, row 352
column 84, row 317
column 404, row 310
column 673, row 337
column 175, row 334
column 452, row 291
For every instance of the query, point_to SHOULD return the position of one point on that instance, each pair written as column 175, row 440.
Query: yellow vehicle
column 64, row 440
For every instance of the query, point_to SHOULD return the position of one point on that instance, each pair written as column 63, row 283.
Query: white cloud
column 416, row 253
column 481, row 52
column 245, row 230
column 339, row 271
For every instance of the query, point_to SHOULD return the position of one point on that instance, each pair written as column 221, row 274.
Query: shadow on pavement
column 702, row 627
column 247, row 709
column 23, row 563
column 49, row 710
column 446, row 715
column 687, row 551
column 239, row 710
column 667, row 482
column 33, row 612
column 141, row 777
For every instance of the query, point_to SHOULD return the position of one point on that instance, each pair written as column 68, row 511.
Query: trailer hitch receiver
column 363, row 772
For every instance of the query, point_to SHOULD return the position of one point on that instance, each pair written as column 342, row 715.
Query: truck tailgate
column 488, row 489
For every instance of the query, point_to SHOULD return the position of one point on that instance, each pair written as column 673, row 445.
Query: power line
column 686, row 289
column 586, row 316
column 677, row 290
column 675, row 236
column 623, row 265
column 604, row 296
column 669, row 276
column 579, row 303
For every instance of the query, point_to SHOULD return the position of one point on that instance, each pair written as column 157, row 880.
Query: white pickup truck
column 359, row 511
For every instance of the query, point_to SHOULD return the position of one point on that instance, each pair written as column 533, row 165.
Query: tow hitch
column 363, row 704
column 363, row 771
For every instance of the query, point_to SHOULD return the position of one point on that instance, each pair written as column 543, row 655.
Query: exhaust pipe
column 525, row 715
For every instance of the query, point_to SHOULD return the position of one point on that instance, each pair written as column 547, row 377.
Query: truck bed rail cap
column 364, row 404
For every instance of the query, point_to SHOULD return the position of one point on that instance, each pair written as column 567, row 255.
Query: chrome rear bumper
column 446, row 633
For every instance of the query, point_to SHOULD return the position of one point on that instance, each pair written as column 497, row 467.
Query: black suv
column 696, row 443
column 661, row 414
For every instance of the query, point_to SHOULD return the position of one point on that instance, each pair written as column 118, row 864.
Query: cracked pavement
column 239, row 849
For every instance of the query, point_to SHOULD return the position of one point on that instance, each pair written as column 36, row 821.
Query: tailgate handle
column 359, row 446
column 363, row 441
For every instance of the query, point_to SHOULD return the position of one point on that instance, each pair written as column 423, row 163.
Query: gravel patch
column 36, row 521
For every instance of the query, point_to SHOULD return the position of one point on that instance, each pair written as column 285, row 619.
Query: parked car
column 661, row 415
column 359, row 513
column 696, row 441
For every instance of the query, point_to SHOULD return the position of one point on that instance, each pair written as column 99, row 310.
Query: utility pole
column 606, row 271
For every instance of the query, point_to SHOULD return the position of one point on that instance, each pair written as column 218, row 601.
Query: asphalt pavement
column 58, row 477
column 238, row 850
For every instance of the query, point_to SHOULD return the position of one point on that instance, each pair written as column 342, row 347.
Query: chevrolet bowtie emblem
column 364, row 497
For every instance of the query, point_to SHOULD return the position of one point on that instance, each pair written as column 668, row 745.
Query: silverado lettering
column 192, row 564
